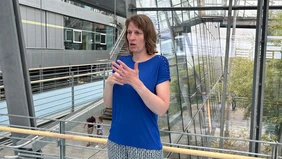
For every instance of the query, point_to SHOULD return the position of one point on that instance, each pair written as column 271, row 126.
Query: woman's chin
column 132, row 50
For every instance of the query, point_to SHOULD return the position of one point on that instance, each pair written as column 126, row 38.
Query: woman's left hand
column 127, row 75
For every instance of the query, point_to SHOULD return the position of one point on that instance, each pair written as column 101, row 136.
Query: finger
column 118, row 81
column 119, row 70
column 114, row 64
column 124, row 66
column 136, row 66
column 117, row 76
column 116, row 69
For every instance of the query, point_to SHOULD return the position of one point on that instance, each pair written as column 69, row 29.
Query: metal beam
column 256, row 75
column 226, row 59
column 129, row 5
column 201, row 8
column 14, row 69
column 261, row 75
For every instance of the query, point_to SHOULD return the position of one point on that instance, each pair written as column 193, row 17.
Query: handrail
column 65, row 77
column 64, row 66
column 104, row 141
column 117, row 43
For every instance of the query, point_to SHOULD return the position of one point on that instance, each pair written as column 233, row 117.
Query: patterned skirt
column 116, row 151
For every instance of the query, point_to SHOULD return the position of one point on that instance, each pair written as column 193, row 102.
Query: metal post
column 72, row 91
column 222, row 118
column 104, row 78
column 258, row 76
column 232, row 53
column 262, row 61
column 62, row 141
column 91, row 76
column 70, row 74
column 209, row 78
column 77, row 76
column 168, row 126
column 1, row 83
column 278, row 150
column 129, row 4
column 41, row 78
column 274, row 152
column 115, row 21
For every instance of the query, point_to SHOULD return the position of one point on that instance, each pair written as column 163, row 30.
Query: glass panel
column 103, row 39
column 77, row 36
column 97, row 38
column 68, row 35
column 88, row 41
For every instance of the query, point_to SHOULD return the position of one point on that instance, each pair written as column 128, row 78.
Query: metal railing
column 118, row 45
column 58, row 94
column 62, row 136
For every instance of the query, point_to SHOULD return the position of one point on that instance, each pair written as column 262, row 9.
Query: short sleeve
column 164, row 72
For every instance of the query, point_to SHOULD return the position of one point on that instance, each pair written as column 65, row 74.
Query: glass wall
column 195, row 44
column 85, row 35
column 195, row 56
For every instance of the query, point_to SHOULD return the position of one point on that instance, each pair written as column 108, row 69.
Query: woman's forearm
column 156, row 103
column 108, row 95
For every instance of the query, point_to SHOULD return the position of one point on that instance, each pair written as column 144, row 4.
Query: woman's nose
column 131, row 36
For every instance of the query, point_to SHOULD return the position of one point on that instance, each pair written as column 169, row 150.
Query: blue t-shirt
column 133, row 123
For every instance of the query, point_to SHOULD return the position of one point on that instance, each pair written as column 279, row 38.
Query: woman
column 138, row 92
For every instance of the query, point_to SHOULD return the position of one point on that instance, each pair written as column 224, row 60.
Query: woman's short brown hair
column 144, row 23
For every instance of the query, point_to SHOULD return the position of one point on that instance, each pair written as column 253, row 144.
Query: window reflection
column 85, row 35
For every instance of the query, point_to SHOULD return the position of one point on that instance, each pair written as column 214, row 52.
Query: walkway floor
column 78, row 149
column 74, row 149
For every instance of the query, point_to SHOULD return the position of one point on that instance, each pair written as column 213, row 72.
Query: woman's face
column 135, row 39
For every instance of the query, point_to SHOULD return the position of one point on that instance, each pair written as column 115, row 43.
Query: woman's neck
column 141, row 57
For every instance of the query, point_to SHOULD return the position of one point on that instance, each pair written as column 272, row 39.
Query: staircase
column 124, row 50
column 107, row 114
column 119, row 49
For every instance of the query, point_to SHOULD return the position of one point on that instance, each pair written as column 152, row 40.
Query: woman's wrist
column 138, row 85
column 108, row 83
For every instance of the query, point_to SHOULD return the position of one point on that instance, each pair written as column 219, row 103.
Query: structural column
column 14, row 69
column 259, row 73
column 130, row 4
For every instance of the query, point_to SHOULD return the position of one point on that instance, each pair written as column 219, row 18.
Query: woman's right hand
column 114, row 78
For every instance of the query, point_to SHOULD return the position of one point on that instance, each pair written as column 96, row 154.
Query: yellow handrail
column 104, row 141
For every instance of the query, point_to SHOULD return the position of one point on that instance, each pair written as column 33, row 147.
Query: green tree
column 275, row 21
column 273, row 89
column 242, row 79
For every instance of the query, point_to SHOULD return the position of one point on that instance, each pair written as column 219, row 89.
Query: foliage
column 274, row 26
column 275, row 21
column 242, row 79
column 243, row 145
column 234, row 144
column 242, row 82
